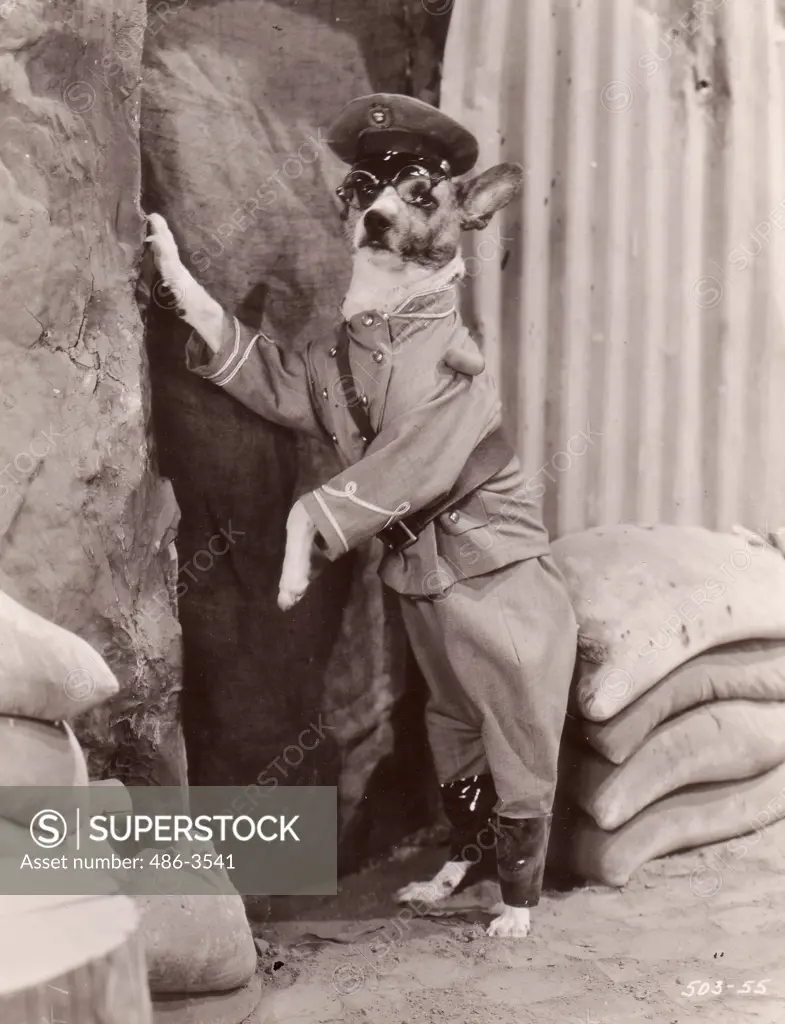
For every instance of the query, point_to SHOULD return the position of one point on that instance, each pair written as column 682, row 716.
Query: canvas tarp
column 237, row 97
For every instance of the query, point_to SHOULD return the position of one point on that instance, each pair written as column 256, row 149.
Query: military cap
column 386, row 122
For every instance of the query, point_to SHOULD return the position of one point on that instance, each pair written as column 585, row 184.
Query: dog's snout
column 376, row 223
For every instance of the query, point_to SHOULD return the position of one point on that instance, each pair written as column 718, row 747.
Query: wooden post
column 72, row 960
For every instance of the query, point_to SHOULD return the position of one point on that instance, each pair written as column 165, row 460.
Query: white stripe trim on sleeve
column 350, row 492
column 235, row 350
column 331, row 518
column 240, row 362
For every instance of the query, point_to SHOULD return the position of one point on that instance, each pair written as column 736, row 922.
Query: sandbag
column 714, row 743
column 693, row 817
column 37, row 754
column 110, row 797
column 235, row 1007
column 656, row 596
column 46, row 671
column 197, row 943
column 95, row 878
column 750, row 670
column 40, row 754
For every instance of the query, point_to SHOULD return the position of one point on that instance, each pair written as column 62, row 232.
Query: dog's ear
column 480, row 197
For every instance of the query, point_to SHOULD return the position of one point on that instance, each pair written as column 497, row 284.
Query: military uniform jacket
column 427, row 417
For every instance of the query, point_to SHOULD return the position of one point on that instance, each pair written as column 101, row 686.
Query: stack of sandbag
column 199, row 950
column 47, row 676
column 55, row 946
column 677, row 732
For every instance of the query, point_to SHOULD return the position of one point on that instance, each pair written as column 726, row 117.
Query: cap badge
column 380, row 116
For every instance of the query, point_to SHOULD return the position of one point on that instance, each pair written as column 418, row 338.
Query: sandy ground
column 596, row 955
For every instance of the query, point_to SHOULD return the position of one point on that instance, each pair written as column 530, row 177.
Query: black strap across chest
column 350, row 391
column 490, row 456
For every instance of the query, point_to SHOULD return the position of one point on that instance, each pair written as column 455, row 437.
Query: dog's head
column 401, row 209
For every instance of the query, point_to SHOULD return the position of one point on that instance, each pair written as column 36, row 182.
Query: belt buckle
column 394, row 544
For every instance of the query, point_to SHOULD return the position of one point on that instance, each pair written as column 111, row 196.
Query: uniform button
column 325, row 393
column 363, row 439
column 364, row 400
column 334, row 439
column 368, row 320
column 454, row 517
column 333, row 351
column 378, row 356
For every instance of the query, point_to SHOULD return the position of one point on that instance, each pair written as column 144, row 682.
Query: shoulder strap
column 350, row 392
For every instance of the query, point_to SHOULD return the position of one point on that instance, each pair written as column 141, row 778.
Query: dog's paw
column 512, row 923
column 298, row 559
column 289, row 596
column 292, row 584
column 164, row 249
column 438, row 888
column 161, row 239
column 424, row 892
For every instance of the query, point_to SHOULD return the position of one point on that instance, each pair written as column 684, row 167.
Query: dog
column 404, row 214
column 400, row 249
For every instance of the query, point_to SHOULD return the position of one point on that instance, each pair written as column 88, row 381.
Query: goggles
column 413, row 178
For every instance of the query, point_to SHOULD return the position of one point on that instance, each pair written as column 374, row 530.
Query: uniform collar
column 418, row 311
column 438, row 300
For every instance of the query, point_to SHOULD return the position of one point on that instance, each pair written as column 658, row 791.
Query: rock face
column 237, row 99
column 86, row 523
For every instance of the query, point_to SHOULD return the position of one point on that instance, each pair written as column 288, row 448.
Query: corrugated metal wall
column 635, row 321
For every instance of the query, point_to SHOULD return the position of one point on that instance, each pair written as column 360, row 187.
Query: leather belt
column 489, row 457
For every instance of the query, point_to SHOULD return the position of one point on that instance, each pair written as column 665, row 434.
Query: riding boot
column 521, row 846
column 468, row 804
